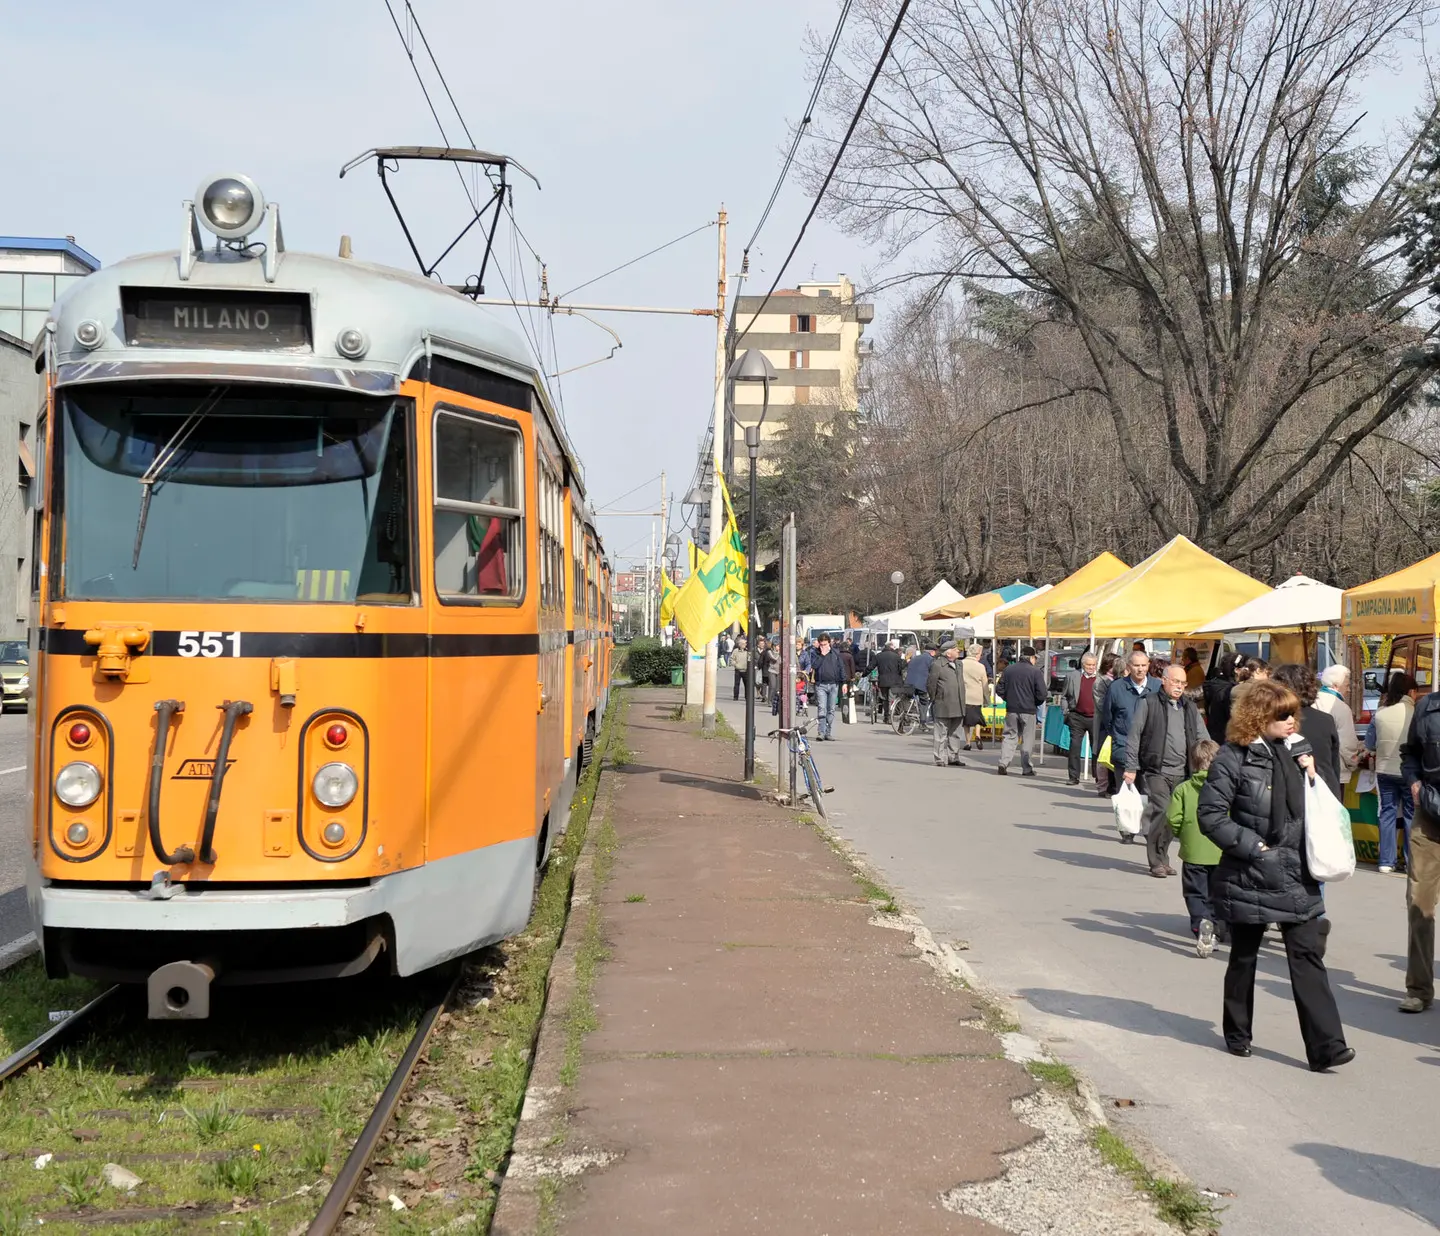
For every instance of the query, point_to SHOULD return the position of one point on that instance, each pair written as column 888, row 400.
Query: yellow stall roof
column 1403, row 603
column 1026, row 619
column 1175, row 590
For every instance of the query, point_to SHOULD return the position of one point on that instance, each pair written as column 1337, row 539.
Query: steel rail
column 32, row 1051
column 347, row 1180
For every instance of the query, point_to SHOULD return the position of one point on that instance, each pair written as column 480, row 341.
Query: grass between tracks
column 454, row 1131
column 241, row 1121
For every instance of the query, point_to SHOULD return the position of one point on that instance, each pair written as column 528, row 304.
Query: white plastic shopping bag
column 1329, row 843
column 1129, row 809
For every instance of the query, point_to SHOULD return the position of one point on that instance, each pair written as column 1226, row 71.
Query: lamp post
column 897, row 578
column 752, row 366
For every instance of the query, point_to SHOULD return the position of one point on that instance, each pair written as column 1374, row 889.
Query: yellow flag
column 717, row 594
column 668, row 593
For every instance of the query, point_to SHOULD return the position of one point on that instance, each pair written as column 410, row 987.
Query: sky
column 638, row 117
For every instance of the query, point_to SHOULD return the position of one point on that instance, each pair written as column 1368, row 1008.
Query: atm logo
column 198, row 770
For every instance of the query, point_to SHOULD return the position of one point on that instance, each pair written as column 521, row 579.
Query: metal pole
column 789, row 774
column 752, row 443
column 717, row 447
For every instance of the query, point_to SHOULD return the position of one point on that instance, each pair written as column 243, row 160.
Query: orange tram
column 321, row 625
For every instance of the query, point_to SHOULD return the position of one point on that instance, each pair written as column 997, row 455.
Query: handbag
column 1129, row 808
column 1104, row 756
column 1329, row 841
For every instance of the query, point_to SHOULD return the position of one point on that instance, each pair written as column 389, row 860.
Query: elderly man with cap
column 1023, row 688
column 946, row 689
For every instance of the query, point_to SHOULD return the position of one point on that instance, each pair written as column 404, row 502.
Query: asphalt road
column 1097, row 956
column 14, row 833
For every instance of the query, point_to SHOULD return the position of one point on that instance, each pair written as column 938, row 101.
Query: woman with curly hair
column 1253, row 807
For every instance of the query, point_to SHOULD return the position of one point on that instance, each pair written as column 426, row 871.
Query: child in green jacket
column 1199, row 855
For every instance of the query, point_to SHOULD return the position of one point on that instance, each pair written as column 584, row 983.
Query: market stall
column 911, row 617
column 1175, row 590
column 1025, row 619
column 983, row 602
column 1296, row 615
column 1404, row 604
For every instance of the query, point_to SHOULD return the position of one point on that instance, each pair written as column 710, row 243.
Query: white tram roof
column 404, row 317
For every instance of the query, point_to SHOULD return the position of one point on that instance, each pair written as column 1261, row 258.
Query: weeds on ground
column 635, row 898
column 27, row 998
column 580, row 1018
column 1055, row 1072
column 1177, row 1201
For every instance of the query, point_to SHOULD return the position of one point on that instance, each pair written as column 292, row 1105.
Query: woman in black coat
column 1317, row 727
column 1253, row 807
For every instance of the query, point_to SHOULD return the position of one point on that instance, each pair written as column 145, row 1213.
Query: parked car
column 14, row 675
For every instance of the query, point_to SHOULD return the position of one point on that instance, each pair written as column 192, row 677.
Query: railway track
column 70, row 1035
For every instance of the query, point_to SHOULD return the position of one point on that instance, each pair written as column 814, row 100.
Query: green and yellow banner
column 717, row 594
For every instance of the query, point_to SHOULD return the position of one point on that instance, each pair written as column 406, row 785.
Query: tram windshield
column 254, row 493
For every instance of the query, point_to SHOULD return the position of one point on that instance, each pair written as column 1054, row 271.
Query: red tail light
column 79, row 734
column 337, row 735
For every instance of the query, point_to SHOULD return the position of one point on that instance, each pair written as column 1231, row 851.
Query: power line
column 803, row 125
column 641, row 258
column 839, row 154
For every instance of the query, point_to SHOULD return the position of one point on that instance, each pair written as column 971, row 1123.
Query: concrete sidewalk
column 769, row 1053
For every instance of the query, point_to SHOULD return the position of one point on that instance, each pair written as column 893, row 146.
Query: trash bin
column 677, row 676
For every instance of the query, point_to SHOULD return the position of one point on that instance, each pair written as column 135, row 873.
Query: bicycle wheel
column 812, row 781
column 906, row 716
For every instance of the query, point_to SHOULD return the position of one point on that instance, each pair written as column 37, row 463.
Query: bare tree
column 1173, row 199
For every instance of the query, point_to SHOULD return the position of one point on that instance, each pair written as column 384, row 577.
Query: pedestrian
column 977, row 695
column 1023, row 688
column 1317, row 726
column 1217, row 695
column 1253, row 807
column 1334, row 682
column 740, row 662
column 827, row 668
column 1418, row 759
column 763, row 657
column 1121, row 700
column 1199, row 856
column 1194, row 671
column 946, row 689
column 1247, row 671
column 889, row 675
column 1082, row 715
column 917, row 678
column 847, row 656
column 1388, row 732
column 725, row 648
column 1163, row 733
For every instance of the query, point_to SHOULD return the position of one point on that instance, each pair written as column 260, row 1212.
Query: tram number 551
column 209, row 643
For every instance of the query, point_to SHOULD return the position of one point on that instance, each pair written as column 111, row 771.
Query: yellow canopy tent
column 966, row 607
column 1175, row 590
column 1404, row 603
column 1026, row 620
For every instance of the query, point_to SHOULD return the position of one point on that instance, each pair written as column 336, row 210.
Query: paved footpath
column 1065, row 920
column 768, row 1058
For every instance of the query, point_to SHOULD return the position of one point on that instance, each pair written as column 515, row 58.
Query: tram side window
column 479, row 543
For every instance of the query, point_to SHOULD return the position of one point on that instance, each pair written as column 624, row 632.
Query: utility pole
column 650, row 583
column 717, row 507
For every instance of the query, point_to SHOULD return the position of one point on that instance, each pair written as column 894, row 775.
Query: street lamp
column 897, row 578
column 751, row 366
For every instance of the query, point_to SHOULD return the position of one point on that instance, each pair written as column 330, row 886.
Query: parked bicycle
column 908, row 712
column 800, row 752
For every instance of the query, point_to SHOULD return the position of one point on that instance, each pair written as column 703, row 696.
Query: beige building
column 812, row 335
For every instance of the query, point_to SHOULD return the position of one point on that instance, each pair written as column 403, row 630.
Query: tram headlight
column 335, row 785
column 352, row 342
column 78, row 784
column 89, row 334
column 230, row 205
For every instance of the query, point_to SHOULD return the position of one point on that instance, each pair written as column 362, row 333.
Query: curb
column 538, row 1156
column 17, row 950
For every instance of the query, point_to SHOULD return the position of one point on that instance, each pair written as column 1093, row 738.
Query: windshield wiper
column 163, row 458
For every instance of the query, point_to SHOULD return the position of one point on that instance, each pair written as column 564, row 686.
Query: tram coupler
column 180, row 991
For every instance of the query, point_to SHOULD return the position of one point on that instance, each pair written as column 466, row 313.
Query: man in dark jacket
column 1121, row 700
column 828, row 668
column 1084, row 696
column 1022, row 686
column 1420, row 766
column 1163, row 733
column 917, row 677
column 946, row 688
column 889, row 674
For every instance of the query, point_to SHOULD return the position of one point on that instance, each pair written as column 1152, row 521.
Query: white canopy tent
column 908, row 618
column 1297, row 603
column 982, row 626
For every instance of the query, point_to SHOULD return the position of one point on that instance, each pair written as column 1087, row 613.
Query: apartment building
column 812, row 334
